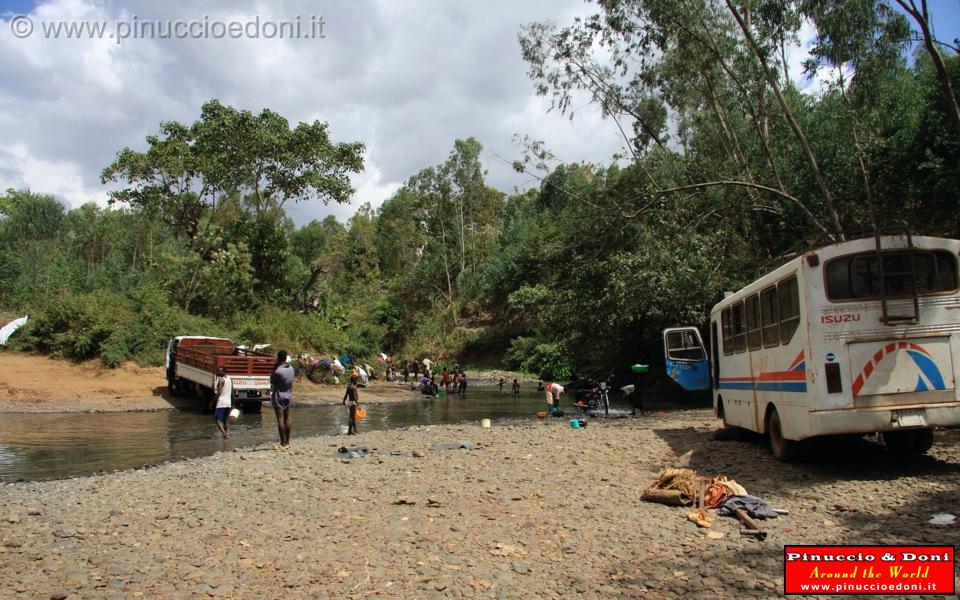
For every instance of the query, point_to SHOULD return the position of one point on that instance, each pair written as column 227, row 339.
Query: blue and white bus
column 855, row 337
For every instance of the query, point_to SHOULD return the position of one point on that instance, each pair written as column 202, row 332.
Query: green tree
column 187, row 172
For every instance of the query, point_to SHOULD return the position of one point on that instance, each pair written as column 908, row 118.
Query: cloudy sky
column 406, row 78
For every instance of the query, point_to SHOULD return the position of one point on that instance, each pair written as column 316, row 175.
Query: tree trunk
column 315, row 272
column 446, row 269
column 788, row 115
column 921, row 16
column 867, row 184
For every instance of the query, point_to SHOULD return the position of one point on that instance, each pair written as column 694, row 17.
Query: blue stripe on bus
column 929, row 370
column 782, row 386
column 735, row 385
column 765, row 386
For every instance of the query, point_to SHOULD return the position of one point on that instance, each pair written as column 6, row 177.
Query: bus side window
column 770, row 317
column 753, row 322
column 739, row 329
column 946, row 271
column 727, row 327
column 788, row 295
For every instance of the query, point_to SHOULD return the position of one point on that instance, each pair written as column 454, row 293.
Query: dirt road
column 533, row 510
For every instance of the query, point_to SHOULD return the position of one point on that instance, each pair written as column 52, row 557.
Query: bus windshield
column 858, row 276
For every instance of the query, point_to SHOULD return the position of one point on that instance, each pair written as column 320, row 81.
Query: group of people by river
column 283, row 376
column 281, row 396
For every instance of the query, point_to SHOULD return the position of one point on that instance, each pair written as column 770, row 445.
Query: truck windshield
column 858, row 276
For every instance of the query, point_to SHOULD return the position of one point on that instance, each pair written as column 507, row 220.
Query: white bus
column 856, row 337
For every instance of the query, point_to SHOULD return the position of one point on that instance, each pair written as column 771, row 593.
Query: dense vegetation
column 727, row 164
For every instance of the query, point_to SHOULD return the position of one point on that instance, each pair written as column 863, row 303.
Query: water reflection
column 44, row 446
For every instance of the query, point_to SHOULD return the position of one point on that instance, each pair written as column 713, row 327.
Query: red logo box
column 869, row 570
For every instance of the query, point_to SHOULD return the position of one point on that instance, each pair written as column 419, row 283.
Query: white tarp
column 7, row 330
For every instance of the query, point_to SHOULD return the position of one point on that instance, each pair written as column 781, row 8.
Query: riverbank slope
column 30, row 384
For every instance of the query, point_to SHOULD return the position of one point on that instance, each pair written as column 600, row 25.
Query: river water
column 46, row 446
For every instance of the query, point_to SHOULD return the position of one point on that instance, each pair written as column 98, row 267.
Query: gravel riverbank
column 529, row 509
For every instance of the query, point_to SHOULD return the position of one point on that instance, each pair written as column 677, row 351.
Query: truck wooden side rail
column 210, row 359
column 193, row 362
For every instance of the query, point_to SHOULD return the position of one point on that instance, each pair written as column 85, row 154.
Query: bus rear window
column 858, row 276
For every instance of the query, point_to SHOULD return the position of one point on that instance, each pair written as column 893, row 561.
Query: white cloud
column 800, row 52
column 370, row 188
column 406, row 79
column 63, row 179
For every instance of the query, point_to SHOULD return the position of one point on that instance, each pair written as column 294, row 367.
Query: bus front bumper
column 887, row 418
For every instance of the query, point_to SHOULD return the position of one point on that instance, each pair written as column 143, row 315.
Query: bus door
column 686, row 358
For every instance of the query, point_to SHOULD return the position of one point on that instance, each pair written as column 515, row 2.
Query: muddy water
column 44, row 446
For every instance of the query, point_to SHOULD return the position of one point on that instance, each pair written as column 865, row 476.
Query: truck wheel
column 251, row 406
column 178, row 387
column 910, row 442
column 783, row 449
column 205, row 397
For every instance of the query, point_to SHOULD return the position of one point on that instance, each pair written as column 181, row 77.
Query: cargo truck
column 192, row 365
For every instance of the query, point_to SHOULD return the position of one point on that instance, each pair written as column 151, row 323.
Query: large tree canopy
column 186, row 170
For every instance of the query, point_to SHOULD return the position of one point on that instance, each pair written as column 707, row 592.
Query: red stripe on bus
column 890, row 348
column 857, row 385
column 796, row 361
column 783, row 376
column 868, row 369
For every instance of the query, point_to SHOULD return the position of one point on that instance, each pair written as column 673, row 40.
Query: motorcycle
column 595, row 398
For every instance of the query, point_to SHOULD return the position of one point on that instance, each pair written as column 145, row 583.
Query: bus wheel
column 783, row 449
column 909, row 442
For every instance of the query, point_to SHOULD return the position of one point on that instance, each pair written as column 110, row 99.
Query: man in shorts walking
column 281, row 385
column 221, row 413
column 352, row 399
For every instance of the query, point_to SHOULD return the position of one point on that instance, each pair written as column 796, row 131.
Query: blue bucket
column 574, row 424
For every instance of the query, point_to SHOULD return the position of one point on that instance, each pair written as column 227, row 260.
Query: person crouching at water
column 553, row 391
column 221, row 413
column 352, row 400
column 281, row 395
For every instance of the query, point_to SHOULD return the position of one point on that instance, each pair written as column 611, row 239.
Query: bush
column 287, row 329
column 114, row 327
column 545, row 359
